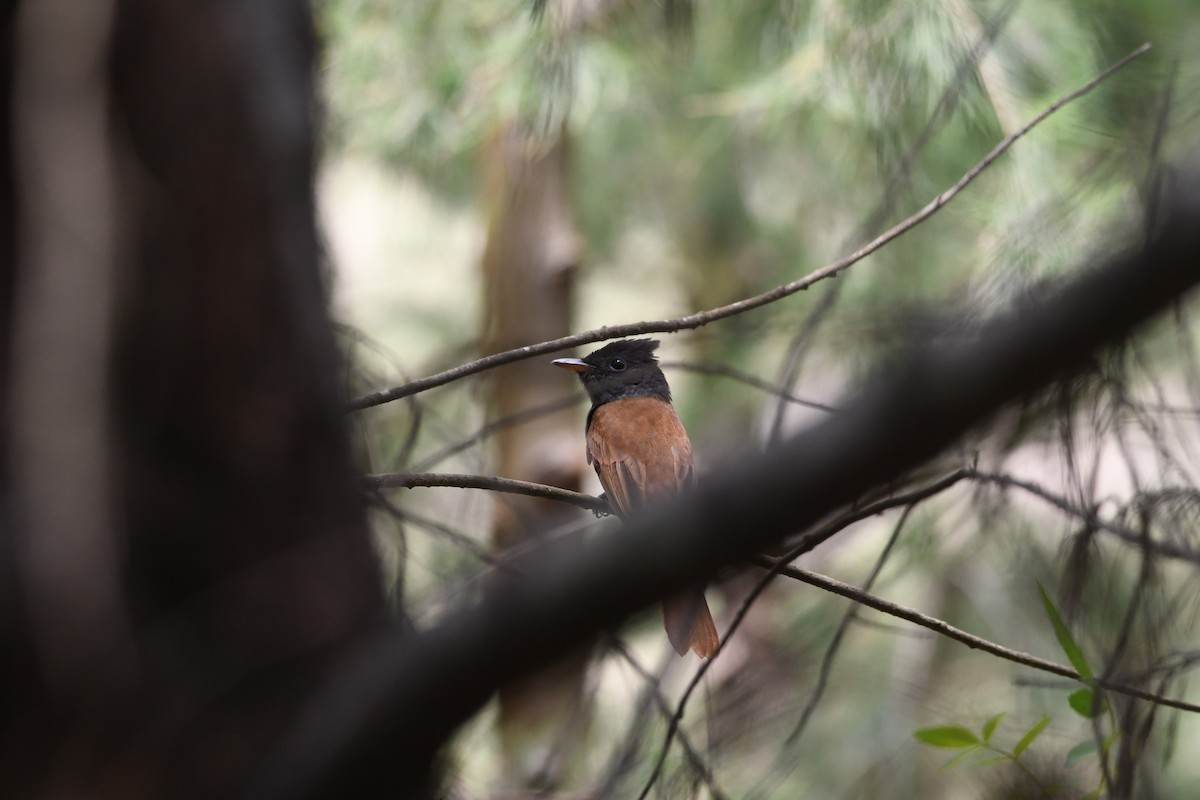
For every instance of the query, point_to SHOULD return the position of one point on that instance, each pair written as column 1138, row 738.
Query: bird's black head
column 624, row 368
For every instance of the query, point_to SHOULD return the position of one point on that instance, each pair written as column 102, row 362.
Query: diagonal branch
column 409, row 480
column 969, row 639
column 702, row 318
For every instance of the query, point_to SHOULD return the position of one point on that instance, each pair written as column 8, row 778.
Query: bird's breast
column 640, row 450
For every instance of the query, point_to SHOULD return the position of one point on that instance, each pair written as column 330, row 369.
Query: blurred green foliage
column 774, row 122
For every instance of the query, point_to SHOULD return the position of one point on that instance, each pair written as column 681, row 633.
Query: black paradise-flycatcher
column 642, row 453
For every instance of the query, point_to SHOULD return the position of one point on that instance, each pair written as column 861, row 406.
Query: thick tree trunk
column 185, row 547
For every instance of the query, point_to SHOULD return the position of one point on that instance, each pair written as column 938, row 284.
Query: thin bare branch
column 409, row 480
column 970, row 640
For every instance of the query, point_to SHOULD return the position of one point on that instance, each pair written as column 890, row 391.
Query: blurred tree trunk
column 529, row 266
column 184, row 548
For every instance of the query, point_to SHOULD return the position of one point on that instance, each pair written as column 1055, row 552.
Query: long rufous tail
column 689, row 624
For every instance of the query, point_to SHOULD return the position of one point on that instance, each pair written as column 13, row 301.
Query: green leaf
column 1087, row 703
column 989, row 727
column 1065, row 640
column 1084, row 748
column 947, row 736
column 1030, row 735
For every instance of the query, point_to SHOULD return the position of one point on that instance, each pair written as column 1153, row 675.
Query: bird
column 641, row 453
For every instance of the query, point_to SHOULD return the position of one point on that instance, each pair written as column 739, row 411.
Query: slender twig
column 887, row 627
column 970, row 640
column 702, row 318
column 409, row 480
column 412, row 480
column 1169, row 666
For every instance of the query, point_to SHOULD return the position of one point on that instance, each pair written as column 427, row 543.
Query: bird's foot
column 597, row 513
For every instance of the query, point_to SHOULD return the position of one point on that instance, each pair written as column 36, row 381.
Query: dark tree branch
column 702, row 318
column 381, row 721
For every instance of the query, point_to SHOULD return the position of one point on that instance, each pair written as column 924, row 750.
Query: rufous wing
column 641, row 452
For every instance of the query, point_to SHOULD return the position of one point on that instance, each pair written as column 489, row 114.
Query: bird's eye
column 617, row 365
